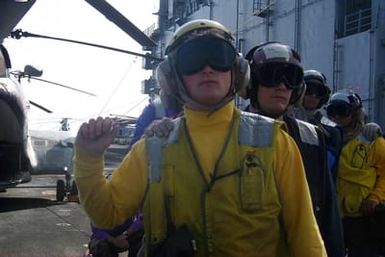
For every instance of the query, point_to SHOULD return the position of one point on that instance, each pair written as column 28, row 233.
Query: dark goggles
column 315, row 89
column 271, row 74
column 340, row 109
column 194, row 55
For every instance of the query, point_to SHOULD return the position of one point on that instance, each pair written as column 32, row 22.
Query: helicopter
column 23, row 151
column 16, row 153
column 18, row 158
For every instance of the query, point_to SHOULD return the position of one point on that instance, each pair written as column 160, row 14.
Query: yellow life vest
column 356, row 176
column 236, row 212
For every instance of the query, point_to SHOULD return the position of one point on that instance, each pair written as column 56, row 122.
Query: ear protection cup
column 241, row 74
column 297, row 95
column 355, row 101
column 169, row 102
column 162, row 73
column 166, row 77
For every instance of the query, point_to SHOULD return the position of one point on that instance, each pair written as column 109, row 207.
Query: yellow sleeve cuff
column 86, row 163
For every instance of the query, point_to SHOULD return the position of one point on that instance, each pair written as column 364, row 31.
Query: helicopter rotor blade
column 11, row 12
column 122, row 22
column 17, row 34
column 61, row 85
column 40, row 106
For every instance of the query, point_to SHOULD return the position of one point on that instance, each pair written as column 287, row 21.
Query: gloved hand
column 160, row 128
column 371, row 131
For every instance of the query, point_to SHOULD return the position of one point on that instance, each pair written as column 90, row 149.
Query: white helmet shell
column 350, row 98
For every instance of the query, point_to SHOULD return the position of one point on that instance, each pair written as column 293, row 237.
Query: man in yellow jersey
column 361, row 176
column 223, row 183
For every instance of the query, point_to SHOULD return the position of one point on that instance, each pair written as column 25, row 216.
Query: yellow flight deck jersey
column 240, row 200
column 361, row 174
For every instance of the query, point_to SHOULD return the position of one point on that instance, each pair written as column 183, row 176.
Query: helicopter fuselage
column 16, row 153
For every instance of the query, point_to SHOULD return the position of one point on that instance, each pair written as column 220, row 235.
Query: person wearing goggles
column 361, row 176
column 346, row 110
column 209, row 50
column 276, row 86
column 276, row 78
column 316, row 95
column 218, row 184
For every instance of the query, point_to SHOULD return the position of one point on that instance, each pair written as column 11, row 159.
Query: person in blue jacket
column 310, row 109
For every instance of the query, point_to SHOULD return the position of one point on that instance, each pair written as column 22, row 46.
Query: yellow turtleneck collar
column 204, row 118
column 208, row 132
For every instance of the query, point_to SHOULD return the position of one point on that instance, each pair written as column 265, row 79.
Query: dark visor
column 315, row 89
column 271, row 74
column 194, row 55
column 339, row 108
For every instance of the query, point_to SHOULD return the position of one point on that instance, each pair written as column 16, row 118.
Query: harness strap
column 254, row 130
column 308, row 133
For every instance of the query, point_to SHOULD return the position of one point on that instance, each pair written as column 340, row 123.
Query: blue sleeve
column 103, row 234
column 118, row 230
column 333, row 164
column 145, row 119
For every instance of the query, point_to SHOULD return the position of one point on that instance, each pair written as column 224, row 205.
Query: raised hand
column 95, row 136
column 160, row 128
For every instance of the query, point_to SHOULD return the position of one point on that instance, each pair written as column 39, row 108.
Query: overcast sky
column 114, row 77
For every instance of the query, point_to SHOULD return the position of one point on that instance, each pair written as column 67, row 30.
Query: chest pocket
column 252, row 184
column 360, row 156
column 257, row 183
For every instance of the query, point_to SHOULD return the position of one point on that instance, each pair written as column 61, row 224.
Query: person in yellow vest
column 223, row 183
column 277, row 78
column 361, row 175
